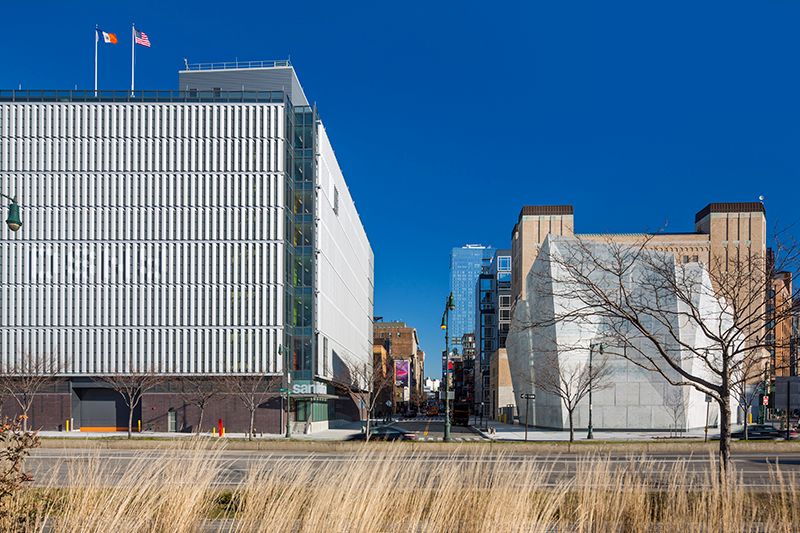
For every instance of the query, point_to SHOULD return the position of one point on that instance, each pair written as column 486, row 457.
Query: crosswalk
column 476, row 438
column 421, row 419
column 429, row 429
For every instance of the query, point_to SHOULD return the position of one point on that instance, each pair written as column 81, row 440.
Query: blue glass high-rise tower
column 466, row 264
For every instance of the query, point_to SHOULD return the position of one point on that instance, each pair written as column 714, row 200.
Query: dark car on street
column 761, row 432
column 387, row 433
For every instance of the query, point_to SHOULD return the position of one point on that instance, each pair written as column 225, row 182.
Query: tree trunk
column 200, row 420
column 25, row 419
column 724, row 433
column 571, row 429
column 252, row 424
column 130, row 420
column 368, row 421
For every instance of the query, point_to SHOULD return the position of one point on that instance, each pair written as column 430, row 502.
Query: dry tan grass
column 391, row 489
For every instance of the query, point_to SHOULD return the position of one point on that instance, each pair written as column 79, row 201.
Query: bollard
column 223, row 432
column 140, row 426
column 66, row 425
column 214, row 431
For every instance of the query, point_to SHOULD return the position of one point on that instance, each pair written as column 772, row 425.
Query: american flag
column 140, row 37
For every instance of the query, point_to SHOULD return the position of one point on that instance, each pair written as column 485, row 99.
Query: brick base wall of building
column 228, row 407
column 49, row 411
column 90, row 405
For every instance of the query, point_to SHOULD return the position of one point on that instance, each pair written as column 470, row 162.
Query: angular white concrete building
column 636, row 398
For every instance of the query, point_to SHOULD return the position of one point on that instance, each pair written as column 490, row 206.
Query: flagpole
column 96, row 29
column 133, row 59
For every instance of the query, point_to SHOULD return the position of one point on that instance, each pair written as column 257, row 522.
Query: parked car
column 759, row 432
column 433, row 410
column 387, row 433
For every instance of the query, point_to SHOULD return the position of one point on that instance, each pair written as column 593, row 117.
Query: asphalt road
column 431, row 429
column 754, row 468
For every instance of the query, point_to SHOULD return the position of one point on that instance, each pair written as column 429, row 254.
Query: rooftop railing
column 142, row 96
column 239, row 64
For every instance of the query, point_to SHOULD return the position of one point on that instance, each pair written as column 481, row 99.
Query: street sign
column 765, row 400
column 709, row 399
column 283, row 389
column 451, row 395
column 526, row 396
column 388, row 403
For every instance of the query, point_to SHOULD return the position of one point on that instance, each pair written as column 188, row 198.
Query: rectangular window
column 335, row 200
column 324, row 356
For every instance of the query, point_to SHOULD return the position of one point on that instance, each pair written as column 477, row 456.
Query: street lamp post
column 13, row 221
column 448, row 306
column 590, row 434
column 287, row 382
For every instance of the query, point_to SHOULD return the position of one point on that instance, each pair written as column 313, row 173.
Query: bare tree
column 747, row 385
column 132, row 388
column 364, row 384
column 676, row 403
column 25, row 377
column 570, row 379
column 199, row 392
column 252, row 391
column 648, row 301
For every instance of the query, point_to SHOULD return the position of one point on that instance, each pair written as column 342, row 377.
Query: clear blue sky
column 447, row 117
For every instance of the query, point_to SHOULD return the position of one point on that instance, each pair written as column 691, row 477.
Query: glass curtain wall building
column 466, row 264
column 198, row 232
column 492, row 321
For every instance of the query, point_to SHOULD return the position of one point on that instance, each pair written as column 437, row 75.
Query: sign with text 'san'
column 309, row 388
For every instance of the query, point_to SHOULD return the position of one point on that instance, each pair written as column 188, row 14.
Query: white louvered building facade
column 156, row 234
column 152, row 237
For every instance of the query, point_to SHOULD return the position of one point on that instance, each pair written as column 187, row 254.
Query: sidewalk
column 508, row 432
column 337, row 434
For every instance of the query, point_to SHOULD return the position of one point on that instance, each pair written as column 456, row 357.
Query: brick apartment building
column 402, row 343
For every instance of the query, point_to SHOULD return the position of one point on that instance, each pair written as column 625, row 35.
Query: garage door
column 102, row 410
